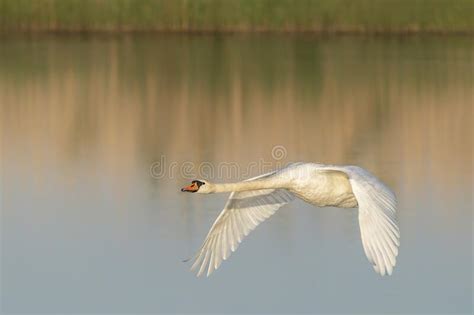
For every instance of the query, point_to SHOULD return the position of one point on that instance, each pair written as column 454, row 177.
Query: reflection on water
column 85, row 228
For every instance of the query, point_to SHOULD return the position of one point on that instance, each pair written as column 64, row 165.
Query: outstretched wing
column 243, row 212
column 377, row 218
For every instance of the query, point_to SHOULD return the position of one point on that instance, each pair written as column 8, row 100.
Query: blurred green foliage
column 370, row 16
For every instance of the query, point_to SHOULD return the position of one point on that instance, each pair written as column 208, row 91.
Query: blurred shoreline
column 361, row 33
column 237, row 16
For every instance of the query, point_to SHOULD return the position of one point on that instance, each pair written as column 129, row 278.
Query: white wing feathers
column 377, row 219
column 243, row 212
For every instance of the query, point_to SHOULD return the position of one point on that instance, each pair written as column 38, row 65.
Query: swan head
column 198, row 186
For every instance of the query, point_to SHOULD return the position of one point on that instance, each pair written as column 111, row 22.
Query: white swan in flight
column 256, row 199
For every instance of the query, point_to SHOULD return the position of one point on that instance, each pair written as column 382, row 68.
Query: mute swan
column 256, row 199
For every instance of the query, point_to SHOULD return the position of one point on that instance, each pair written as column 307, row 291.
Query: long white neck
column 245, row 185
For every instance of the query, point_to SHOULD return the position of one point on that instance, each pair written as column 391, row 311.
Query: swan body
column 254, row 200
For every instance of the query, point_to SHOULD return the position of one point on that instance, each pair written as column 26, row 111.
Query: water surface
column 92, row 217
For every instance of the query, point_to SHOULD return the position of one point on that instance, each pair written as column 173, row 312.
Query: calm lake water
column 92, row 217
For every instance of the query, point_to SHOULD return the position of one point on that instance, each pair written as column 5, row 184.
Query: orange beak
column 191, row 188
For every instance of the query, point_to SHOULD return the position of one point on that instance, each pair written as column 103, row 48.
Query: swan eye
column 198, row 183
